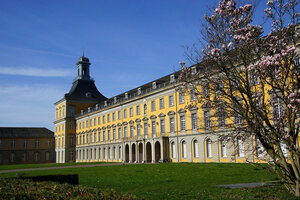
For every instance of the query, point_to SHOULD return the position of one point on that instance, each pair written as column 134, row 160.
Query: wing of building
column 26, row 145
column 149, row 123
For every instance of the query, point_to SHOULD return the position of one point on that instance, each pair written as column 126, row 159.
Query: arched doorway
column 127, row 153
column 133, row 153
column 140, row 152
column 148, row 152
column 157, row 151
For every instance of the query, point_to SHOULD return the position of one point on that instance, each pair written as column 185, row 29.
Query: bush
column 25, row 189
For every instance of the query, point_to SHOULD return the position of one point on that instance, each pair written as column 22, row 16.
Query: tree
column 252, row 80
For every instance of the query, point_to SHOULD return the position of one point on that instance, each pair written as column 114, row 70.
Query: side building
column 26, row 145
column 150, row 123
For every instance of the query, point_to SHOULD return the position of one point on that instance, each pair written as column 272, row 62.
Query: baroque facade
column 26, row 145
column 150, row 123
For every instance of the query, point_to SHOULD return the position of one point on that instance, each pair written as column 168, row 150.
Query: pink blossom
column 215, row 51
column 229, row 45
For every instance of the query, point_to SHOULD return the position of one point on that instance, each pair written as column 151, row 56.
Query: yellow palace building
column 149, row 123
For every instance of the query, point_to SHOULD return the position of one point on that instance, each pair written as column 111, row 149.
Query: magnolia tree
column 250, row 80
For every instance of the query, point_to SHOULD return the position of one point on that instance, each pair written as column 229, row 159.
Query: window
column 208, row 148
column 240, row 147
column 115, row 152
column 171, row 100
column 125, row 131
column 114, row 133
column 71, row 141
column 36, row 156
column 24, row 157
column 205, row 90
column 153, row 105
column 138, row 130
column 145, row 109
column 223, row 144
column 119, row 133
column 91, row 138
column 108, row 117
column 221, row 117
column 162, row 126
column 125, row 113
column 108, row 134
column 99, row 121
column 196, row 148
column 153, row 127
column 12, row 157
column 120, row 152
column 72, row 110
column 99, row 136
column 95, row 122
column 104, row 137
column 37, row 143
column 103, row 119
column 181, row 97
column 161, row 103
column 238, row 119
column 131, row 131
column 220, row 87
column 95, row 137
column 277, row 108
column 284, row 149
column 182, row 123
column 183, row 149
column 47, row 155
column 25, row 144
column 113, row 116
column 259, row 149
column 253, row 78
column 193, row 95
column 137, row 110
column 207, row 119
column 146, row 130
column 194, row 121
column 172, row 125
column 13, row 144
column 173, row 150
column 119, row 114
column 131, row 112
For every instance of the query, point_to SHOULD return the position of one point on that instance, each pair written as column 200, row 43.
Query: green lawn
column 26, row 166
column 177, row 181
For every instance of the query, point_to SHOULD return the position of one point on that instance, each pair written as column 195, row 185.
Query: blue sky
column 128, row 42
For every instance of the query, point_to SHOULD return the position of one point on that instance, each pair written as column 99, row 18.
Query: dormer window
column 105, row 103
column 172, row 78
column 139, row 91
column 115, row 99
column 153, row 85
column 194, row 70
column 88, row 94
column 126, row 95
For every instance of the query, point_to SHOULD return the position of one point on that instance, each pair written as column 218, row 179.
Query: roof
column 84, row 90
column 24, row 132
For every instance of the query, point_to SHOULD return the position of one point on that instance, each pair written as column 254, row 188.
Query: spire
column 83, row 52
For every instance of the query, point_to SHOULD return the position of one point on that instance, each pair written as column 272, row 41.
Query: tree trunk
column 297, row 189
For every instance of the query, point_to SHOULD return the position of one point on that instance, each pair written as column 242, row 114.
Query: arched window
column 240, row 147
column 209, row 148
column 145, row 109
column 223, row 144
column 196, row 148
column 259, row 149
column 183, row 149
column 173, row 150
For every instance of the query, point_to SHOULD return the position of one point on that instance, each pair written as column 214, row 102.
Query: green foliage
column 26, row 190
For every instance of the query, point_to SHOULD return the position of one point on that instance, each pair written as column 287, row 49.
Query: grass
column 177, row 180
column 26, row 166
